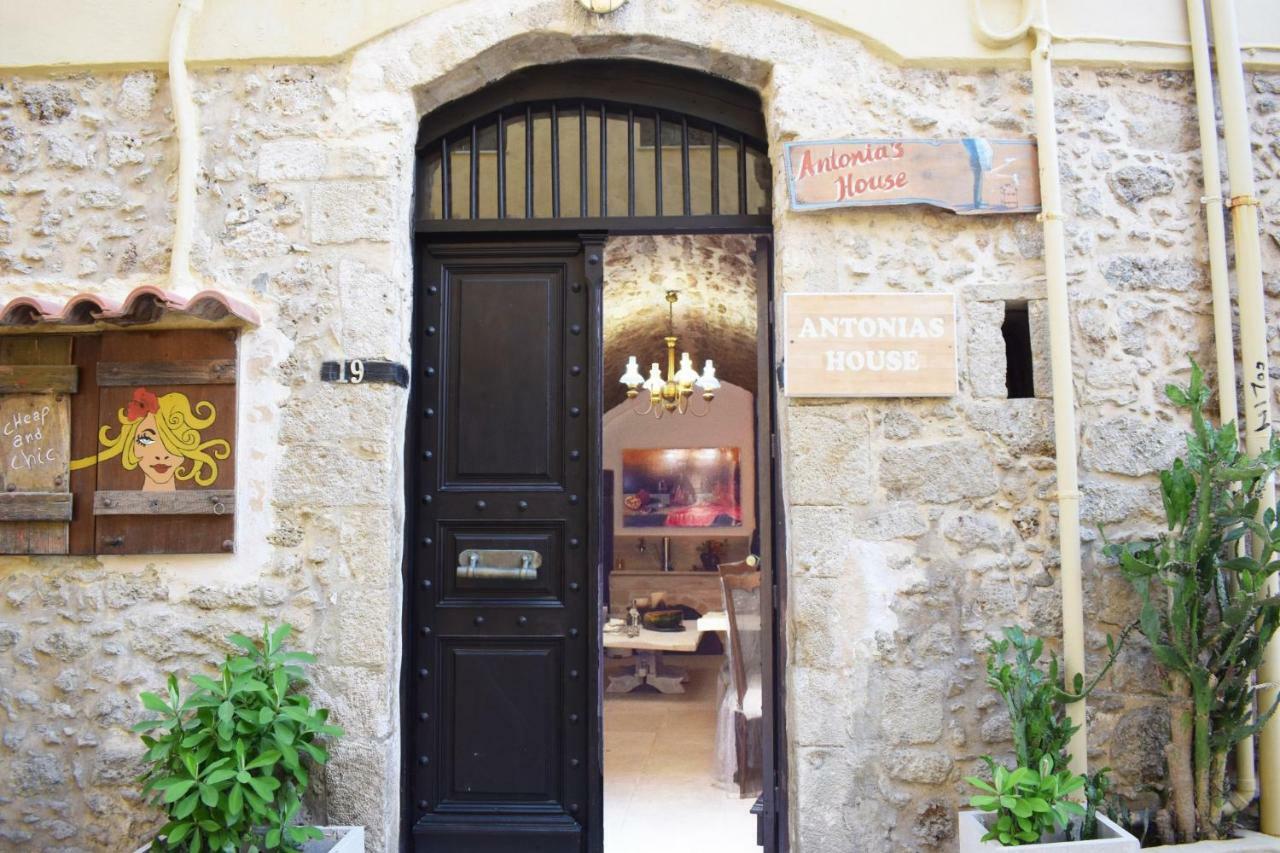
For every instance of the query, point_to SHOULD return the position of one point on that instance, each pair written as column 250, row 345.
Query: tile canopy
column 143, row 305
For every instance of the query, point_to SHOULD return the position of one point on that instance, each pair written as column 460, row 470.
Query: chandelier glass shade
column 671, row 395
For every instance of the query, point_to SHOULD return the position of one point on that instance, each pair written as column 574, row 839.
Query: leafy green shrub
column 1028, row 804
column 1036, row 701
column 1206, row 611
column 229, row 763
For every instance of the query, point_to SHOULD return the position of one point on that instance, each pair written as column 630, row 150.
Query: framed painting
column 686, row 487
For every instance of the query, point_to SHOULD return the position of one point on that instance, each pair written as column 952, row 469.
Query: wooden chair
column 742, row 597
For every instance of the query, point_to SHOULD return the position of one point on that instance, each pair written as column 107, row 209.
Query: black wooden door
column 502, row 723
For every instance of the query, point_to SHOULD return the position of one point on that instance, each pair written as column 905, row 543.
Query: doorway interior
column 535, row 197
column 683, row 702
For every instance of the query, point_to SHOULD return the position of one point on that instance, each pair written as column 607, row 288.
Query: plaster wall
column 916, row 527
column 939, row 33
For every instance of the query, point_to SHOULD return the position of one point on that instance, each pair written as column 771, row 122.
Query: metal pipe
column 186, row 126
column 1253, row 349
column 1035, row 19
column 1246, row 787
column 1064, row 404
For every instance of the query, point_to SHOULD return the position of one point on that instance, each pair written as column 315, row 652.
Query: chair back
column 742, row 598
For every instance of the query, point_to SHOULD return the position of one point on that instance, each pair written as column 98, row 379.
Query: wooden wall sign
column 870, row 344
column 967, row 176
column 118, row 443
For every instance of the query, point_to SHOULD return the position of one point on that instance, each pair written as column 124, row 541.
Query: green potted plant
column 230, row 762
column 1205, row 610
column 1034, row 805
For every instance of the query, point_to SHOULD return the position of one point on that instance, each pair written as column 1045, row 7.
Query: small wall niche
column 1019, row 364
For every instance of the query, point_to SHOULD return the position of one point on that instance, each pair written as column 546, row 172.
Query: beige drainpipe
column 1253, row 348
column 186, row 122
column 1246, row 787
column 1036, row 21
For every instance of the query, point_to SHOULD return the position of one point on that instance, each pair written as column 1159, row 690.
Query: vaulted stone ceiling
column 715, row 316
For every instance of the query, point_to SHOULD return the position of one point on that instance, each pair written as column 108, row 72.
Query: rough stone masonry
column 916, row 528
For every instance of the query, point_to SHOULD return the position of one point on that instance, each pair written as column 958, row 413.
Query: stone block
column 358, row 699
column 822, row 783
column 892, row 521
column 1137, row 747
column 1041, row 360
column 912, row 707
column 971, row 531
column 826, row 615
column 818, row 538
column 828, row 448
column 347, row 211
column 1133, row 185
column 1131, row 445
column 353, row 472
column 356, row 780
column 1104, row 502
column 923, row 767
column 984, row 354
column 1147, row 272
column 374, row 306
column 368, row 620
column 1025, row 426
column 137, row 94
column 48, row 103
column 820, row 702
column 367, row 157
column 291, row 160
column 938, row 473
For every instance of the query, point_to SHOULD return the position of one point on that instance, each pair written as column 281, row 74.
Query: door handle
column 499, row 564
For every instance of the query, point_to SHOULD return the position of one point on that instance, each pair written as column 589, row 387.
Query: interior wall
column 729, row 423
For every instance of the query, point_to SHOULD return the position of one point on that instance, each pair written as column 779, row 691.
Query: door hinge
column 773, row 445
column 780, row 375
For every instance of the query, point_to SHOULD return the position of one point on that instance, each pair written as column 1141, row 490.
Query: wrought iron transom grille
column 585, row 159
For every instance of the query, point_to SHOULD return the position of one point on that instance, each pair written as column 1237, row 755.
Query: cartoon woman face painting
column 160, row 436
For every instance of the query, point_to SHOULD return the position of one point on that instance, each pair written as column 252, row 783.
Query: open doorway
column 528, row 190
column 683, row 691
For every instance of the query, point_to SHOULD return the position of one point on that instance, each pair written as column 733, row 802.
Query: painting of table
column 683, row 487
column 649, row 647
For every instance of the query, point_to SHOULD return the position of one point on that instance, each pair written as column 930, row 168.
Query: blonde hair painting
column 161, row 435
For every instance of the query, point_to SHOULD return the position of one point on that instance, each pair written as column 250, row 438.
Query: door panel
column 505, row 359
column 501, row 747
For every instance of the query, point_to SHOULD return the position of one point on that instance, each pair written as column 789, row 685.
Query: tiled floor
column 659, row 792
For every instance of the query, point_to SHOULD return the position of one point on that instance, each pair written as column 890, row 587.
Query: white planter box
column 973, row 825
column 1248, row 842
column 337, row 839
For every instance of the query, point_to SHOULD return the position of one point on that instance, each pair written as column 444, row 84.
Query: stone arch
column 396, row 79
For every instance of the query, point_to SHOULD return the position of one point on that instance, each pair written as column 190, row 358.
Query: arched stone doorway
column 518, row 186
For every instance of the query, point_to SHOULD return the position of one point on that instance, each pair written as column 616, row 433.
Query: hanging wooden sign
column 870, row 344
column 967, row 176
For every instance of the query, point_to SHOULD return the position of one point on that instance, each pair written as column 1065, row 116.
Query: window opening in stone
column 1018, row 370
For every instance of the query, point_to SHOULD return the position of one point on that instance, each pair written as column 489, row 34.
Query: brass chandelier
column 672, row 395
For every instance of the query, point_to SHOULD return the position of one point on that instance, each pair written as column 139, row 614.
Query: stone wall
column 916, row 527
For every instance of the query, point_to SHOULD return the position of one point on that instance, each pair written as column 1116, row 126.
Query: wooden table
column 718, row 621
column 648, row 647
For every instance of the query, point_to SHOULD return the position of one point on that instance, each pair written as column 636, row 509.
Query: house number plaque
column 357, row 371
